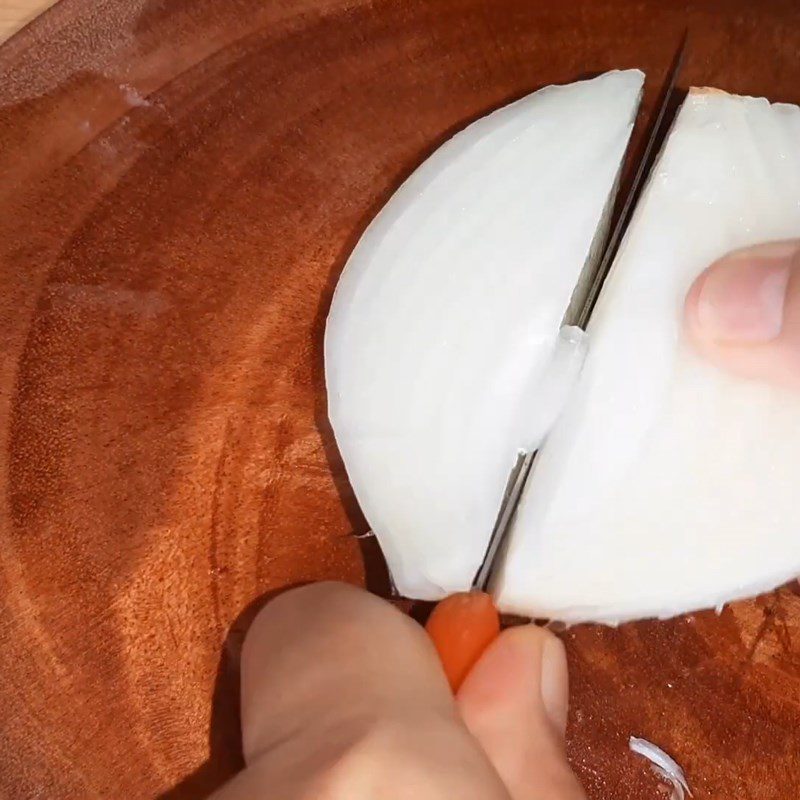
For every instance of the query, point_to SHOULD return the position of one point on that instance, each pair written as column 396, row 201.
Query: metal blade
column 522, row 467
column 642, row 171
column 516, row 483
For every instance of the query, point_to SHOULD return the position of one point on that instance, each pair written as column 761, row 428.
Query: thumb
column 743, row 313
column 514, row 702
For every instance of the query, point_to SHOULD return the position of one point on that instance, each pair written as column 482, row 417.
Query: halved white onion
column 668, row 485
column 448, row 312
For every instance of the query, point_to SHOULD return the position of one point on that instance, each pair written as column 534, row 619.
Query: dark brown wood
column 180, row 185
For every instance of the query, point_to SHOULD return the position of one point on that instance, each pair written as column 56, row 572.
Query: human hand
column 743, row 313
column 343, row 697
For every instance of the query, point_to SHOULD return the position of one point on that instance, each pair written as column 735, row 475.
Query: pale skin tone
column 342, row 695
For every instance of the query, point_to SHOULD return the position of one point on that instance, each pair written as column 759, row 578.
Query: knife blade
column 657, row 130
column 522, row 467
column 462, row 625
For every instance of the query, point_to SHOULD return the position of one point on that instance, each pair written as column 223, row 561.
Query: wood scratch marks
column 217, row 512
column 761, row 633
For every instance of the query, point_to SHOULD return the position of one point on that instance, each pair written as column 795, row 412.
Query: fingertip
column 699, row 337
column 690, row 304
column 555, row 681
column 539, row 658
column 523, row 672
column 740, row 300
column 514, row 702
column 742, row 313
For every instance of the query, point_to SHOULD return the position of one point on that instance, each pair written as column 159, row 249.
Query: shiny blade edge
column 516, row 483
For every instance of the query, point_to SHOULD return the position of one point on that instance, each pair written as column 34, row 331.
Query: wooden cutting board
column 15, row 14
column 180, row 185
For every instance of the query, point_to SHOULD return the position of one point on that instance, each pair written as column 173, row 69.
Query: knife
column 464, row 624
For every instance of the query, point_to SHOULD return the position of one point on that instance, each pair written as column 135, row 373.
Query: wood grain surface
column 15, row 14
column 180, row 185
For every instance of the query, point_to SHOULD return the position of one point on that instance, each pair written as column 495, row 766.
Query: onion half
column 447, row 316
column 667, row 485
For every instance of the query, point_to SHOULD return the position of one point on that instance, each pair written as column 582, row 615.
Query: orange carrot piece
column 461, row 627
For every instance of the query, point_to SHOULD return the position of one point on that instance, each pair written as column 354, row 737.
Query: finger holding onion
column 743, row 312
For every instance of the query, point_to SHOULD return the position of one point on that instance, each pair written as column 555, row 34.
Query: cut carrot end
column 461, row 627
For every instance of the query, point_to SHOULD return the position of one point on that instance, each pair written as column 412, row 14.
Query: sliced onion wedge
column 447, row 315
column 668, row 485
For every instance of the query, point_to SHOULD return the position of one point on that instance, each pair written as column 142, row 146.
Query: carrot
column 461, row 627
